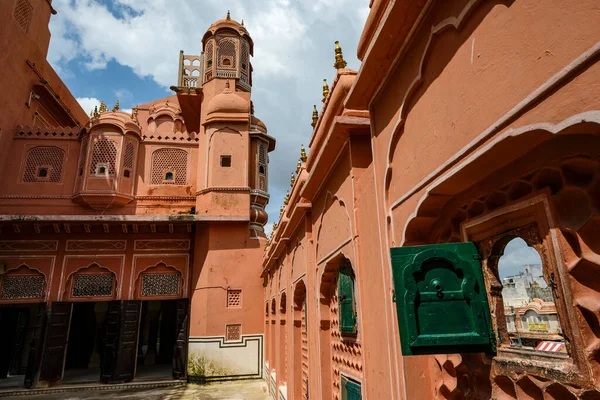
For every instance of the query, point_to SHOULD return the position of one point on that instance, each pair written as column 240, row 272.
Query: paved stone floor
column 246, row 390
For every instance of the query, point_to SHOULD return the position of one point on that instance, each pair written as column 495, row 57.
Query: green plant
column 200, row 365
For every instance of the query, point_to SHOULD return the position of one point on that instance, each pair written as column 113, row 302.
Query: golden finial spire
column 287, row 198
column 274, row 227
column 298, row 166
column 281, row 209
column 325, row 90
column 339, row 57
column 302, row 153
column 292, row 180
column 116, row 107
column 228, row 16
column 103, row 108
column 315, row 116
column 96, row 111
column 242, row 21
column 134, row 113
column 91, row 113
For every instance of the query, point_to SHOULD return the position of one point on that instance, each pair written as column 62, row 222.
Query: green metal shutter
column 350, row 389
column 346, row 300
column 441, row 301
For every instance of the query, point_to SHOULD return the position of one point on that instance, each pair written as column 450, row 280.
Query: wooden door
column 22, row 322
column 57, row 335
column 110, row 342
column 36, row 344
column 8, row 320
column 129, row 325
column 181, row 340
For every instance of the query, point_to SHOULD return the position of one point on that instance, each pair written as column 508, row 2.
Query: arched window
column 104, row 157
column 525, row 291
column 44, row 164
column 226, row 53
column 169, row 167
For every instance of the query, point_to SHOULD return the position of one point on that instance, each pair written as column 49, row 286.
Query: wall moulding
column 162, row 244
column 29, row 245
column 85, row 245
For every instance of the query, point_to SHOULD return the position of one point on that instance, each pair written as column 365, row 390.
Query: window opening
column 346, row 299
column 226, row 161
column 126, row 173
column 168, row 176
column 532, row 320
column 101, row 170
column 43, row 172
column 227, row 61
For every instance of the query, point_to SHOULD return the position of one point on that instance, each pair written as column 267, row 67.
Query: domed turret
column 227, row 51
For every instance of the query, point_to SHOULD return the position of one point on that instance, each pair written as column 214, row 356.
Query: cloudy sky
column 516, row 254
column 129, row 50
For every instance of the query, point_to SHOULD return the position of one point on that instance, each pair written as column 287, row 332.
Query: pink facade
column 153, row 219
column 476, row 123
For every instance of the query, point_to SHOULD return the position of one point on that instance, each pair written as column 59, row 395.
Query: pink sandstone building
column 130, row 244
column 470, row 125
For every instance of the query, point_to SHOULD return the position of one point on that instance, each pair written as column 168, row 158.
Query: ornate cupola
column 107, row 162
column 227, row 51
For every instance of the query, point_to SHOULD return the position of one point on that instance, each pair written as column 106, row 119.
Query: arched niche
column 23, row 284
column 334, row 226
column 159, row 281
column 91, row 283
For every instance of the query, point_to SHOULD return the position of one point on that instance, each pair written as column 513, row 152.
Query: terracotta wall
column 482, row 124
column 59, row 256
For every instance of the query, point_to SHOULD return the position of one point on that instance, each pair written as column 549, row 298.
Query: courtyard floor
column 246, row 390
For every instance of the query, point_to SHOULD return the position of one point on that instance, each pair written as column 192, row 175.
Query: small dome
column 227, row 102
column 258, row 122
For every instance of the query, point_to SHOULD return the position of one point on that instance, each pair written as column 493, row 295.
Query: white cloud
column 293, row 53
column 88, row 103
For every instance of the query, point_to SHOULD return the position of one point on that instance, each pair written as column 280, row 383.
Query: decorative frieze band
column 162, row 244
column 29, row 245
column 84, row 245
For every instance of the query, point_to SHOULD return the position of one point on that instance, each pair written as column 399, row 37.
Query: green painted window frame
column 347, row 300
column 351, row 389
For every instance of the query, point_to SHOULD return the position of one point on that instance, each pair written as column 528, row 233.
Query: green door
column 441, row 300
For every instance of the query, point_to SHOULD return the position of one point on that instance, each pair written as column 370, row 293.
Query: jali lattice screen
column 160, row 284
column 92, row 285
column 169, row 160
column 104, row 151
column 226, row 50
column 129, row 156
column 234, row 298
column 233, row 332
column 22, row 13
column 49, row 157
column 22, row 287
